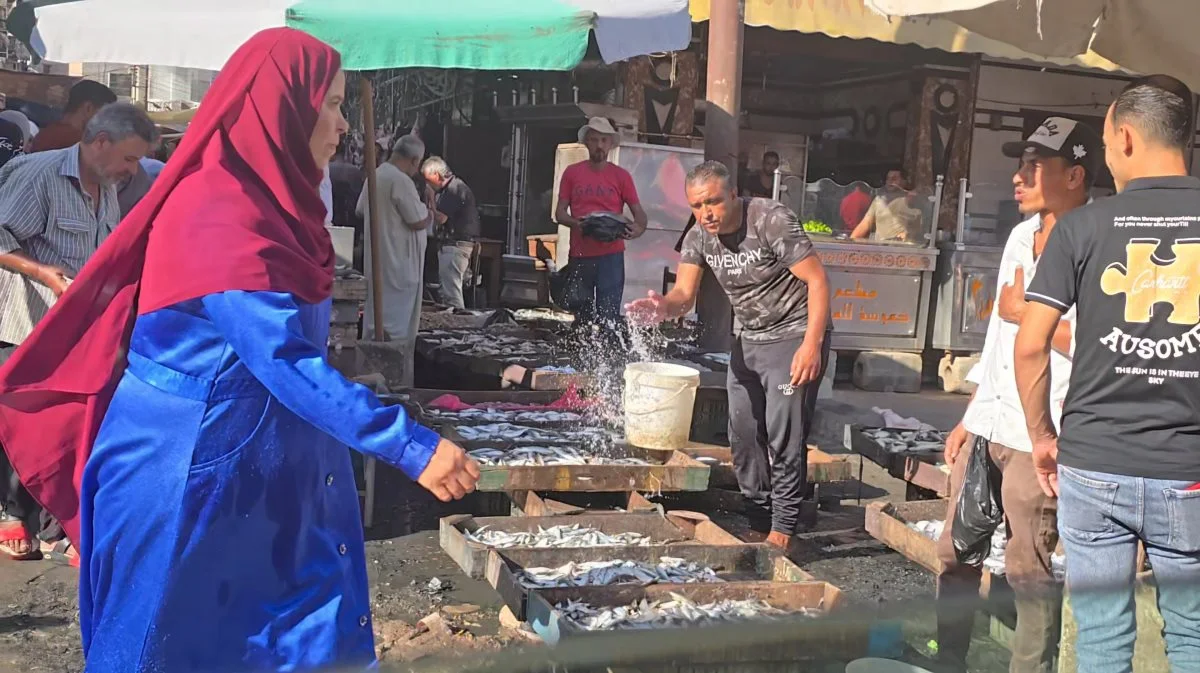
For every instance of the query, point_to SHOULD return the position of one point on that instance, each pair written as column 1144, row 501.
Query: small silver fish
column 564, row 536
column 669, row 570
column 527, row 456
column 676, row 612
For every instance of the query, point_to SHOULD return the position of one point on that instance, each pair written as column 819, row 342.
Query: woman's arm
column 265, row 331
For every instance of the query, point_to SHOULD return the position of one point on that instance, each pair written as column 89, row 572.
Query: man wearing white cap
column 592, row 197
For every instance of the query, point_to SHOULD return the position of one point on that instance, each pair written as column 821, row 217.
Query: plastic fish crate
column 676, row 528
column 749, row 562
column 710, row 416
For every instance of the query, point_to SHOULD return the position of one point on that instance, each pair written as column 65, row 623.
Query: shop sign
column 874, row 304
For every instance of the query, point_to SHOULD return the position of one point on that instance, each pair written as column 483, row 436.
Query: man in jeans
column 457, row 220
column 1127, row 464
column 764, row 261
column 590, row 189
column 1058, row 163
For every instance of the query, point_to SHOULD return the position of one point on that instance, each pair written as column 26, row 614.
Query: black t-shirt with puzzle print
column 1131, row 266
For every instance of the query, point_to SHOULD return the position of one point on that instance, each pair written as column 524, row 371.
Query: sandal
column 12, row 532
column 61, row 552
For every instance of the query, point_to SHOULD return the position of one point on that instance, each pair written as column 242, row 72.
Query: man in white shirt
column 1057, row 166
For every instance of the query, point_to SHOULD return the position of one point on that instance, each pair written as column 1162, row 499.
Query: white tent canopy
column 1146, row 36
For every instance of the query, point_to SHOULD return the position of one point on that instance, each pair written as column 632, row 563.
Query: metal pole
column 368, row 109
column 723, row 94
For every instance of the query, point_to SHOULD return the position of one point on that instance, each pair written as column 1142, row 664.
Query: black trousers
column 15, row 500
column 768, row 429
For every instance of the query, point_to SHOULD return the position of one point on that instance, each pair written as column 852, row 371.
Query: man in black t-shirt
column 1127, row 465
column 762, row 258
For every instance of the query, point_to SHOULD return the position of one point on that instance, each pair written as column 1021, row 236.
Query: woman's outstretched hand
column 451, row 473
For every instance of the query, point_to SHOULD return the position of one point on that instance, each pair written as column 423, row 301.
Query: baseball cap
column 599, row 125
column 1062, row 137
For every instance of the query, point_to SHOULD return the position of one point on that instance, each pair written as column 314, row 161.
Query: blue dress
column 220, row 519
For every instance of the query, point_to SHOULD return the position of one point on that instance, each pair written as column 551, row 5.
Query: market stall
column 880, row 284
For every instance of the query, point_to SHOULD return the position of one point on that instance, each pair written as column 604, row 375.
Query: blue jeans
column 595, row 288
column 1101, row 518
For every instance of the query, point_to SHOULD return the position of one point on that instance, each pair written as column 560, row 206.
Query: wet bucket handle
column 663, row 404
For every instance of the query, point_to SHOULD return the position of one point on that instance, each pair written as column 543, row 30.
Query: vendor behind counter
column 893, row 215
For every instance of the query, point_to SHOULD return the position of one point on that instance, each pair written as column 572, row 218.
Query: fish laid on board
column 574, row 535
column 668, row 570
column 502, row 416
column 678, row 611
column 908, row 441
column 513, row 432
column 537, row 456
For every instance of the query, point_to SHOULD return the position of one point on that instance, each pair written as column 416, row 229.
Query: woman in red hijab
column 175, row 411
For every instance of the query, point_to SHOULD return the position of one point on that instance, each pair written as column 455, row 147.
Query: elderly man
column 590, row 192
column 56, row 208
column 763, row 260
column 85, row 98
column 457, row 218
column 404, row 219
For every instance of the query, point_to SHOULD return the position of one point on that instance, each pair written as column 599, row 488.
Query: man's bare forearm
column 1032, row 369
column 818, row 309
column 1063, row 338
column 21, row 263
column 676, row 304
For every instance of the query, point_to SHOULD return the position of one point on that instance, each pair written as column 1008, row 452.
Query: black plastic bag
column 979, row 509
column 559, row 282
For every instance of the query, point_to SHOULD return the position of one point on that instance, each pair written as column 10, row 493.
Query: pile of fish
column 564, row 536
column 908, row 441
column 995, row 560
column 530, row 314
column 503, row 416
column 527, row 456
column 512, row 432
column 668, row 570
column 679, row 611
column 718, row 358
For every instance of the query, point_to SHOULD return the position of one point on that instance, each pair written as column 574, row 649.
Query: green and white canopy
column 371, row 34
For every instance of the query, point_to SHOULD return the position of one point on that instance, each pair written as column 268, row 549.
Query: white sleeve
column 327, row 196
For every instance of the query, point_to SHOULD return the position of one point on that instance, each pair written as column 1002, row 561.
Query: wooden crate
column 350, row 289
column 548, row 622
column 672, row 472
column 923, row 470
column 733, row 563
column 822, row 467
column 674, row 528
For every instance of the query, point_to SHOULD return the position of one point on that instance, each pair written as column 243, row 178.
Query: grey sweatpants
column 768, row 429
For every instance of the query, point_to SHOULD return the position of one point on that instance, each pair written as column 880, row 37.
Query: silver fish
column 563, row 536
column 676, row 612
column 908, row 441
column 504, row 416
column 669, row 570
column 514, row 432
column 536, row 456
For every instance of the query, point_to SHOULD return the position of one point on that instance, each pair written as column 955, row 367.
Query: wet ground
column 38, row 613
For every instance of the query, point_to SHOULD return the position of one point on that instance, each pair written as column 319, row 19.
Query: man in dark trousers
column 1126, row 468
column 763, row 260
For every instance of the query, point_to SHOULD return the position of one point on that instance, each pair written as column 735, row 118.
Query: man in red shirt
column 85, row 99
column 591, row 195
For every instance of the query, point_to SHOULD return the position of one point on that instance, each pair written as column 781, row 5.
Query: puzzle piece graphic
column 1146, row 280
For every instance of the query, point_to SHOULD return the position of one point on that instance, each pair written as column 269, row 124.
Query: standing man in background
column 761, row 183
column 765, row 262
column 457, row 219
column 404, row 220
column 56, row 208
column 1058, row 164
column 1126, row 467
column 84, row 100
column 598, row 190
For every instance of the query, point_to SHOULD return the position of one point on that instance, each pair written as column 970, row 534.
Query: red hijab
column 236, row 208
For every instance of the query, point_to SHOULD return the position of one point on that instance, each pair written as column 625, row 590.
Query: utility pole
column 723, row 95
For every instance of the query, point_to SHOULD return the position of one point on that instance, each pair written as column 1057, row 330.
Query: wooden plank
column 472, row 556
column 822, row 467
column 733, row 563
column 923, row 470
column 530, row 503
column 677, row 472
column 350, row 289
column 547, row 622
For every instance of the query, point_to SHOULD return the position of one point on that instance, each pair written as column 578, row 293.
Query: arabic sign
column 874, row 304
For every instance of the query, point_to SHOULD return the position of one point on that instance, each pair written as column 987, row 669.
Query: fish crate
column 667, row 471
column 823, row 468
column 732, row 563
column 710, row 414
column 676, row 528
column 923, row 470
column 818, row 598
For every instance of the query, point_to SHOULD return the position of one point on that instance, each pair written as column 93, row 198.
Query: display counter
column 879, row 289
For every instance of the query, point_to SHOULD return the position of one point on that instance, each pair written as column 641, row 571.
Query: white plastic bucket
column 882, row 666
column 659, row 398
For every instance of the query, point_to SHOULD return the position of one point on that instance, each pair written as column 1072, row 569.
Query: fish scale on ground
column 678, row 611
column 669, row 570
column 563, row 536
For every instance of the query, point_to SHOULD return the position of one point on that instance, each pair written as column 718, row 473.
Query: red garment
column 56, row 136
column 854, row 208
column 236, row 208
column 589, row 191
column 571, row 400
